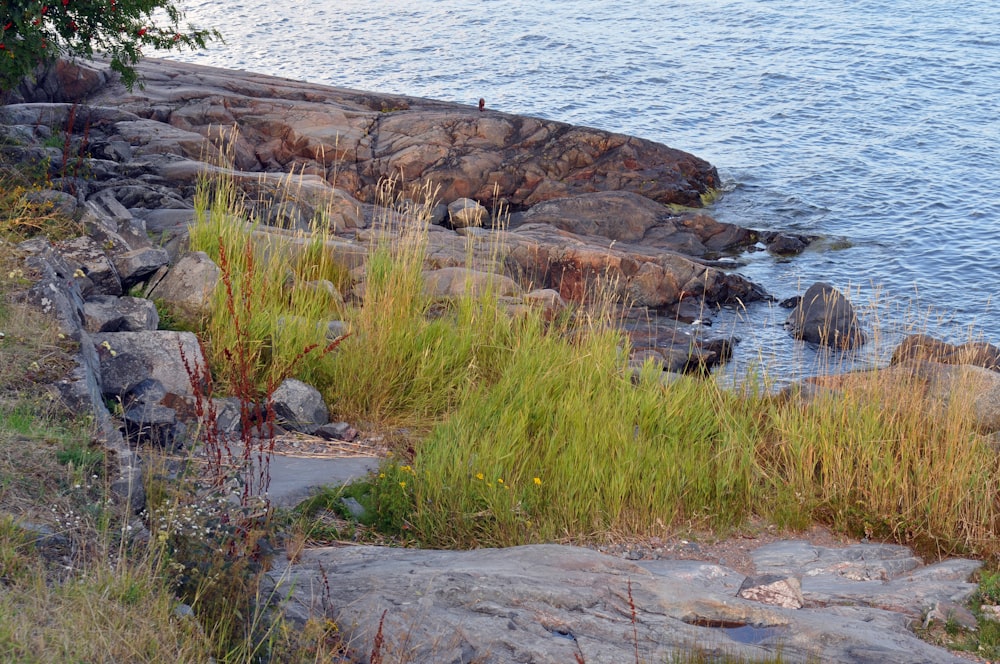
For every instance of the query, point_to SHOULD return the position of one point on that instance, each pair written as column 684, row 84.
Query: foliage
column 34, row 32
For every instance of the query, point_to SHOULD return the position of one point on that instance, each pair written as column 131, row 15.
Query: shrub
column 35, row 32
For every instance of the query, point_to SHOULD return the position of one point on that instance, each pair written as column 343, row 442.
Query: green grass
column 526, row 430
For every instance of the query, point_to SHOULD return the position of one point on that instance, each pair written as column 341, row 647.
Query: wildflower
column 499, row 480
column 402, row 485
column 538, row 481
column 480, row 476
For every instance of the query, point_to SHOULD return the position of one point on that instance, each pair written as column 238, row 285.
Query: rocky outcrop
column 594, row 213
column 551, row 603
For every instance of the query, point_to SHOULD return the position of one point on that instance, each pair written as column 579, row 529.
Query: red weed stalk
column 376, row 656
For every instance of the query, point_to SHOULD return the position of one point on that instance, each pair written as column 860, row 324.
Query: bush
column 36, row 32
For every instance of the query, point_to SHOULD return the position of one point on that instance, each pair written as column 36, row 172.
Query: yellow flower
column 499, row 480
column 381, row 476
column 538, row 481
column 480, row 476
column 407, row 469
column 402, row 485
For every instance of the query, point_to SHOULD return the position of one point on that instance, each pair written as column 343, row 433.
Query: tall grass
column 275, row 303
column 535, row 430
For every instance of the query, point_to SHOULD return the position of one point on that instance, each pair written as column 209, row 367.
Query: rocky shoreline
column 589, row 213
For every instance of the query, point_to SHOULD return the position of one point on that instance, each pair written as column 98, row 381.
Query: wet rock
column 780, row 244
column 825, row 317
column 299, row 407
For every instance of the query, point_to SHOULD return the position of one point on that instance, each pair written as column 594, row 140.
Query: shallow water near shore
column 871, row 125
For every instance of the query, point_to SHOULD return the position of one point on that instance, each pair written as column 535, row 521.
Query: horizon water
column 873, row 125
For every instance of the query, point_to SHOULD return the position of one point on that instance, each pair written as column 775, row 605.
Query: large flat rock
column 553, row 603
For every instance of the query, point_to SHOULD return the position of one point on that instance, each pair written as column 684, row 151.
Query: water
column 872, row 124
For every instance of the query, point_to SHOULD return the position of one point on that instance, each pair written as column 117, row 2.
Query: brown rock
column 357, row 139
column 924, row 347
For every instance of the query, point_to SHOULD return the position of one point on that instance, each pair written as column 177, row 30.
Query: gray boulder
column 825, row 317
column 299, row 407
column 188, row 286
column 106, row 313
column 128, row 358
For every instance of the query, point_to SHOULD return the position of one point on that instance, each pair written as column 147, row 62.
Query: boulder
column 973, row 391
column 154, row 425
column 188, row 287
column 581, row 268
column 456, row 282
column 466, row 212
column 825, row 317
column 627, row 217
column 129, row 358
column 299, row 407
column 106, row 313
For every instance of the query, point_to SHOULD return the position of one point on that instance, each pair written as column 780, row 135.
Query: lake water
column 873, row 124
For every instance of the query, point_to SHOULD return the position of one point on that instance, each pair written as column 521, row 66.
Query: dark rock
column 299, row 407
column 56, row 290
column 780, row 244
column 63, row 203
column 106, row 313
column 154, row 425
column 336, row 431
column 825, row 317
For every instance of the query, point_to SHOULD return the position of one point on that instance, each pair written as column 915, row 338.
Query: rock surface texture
column 552, row 603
